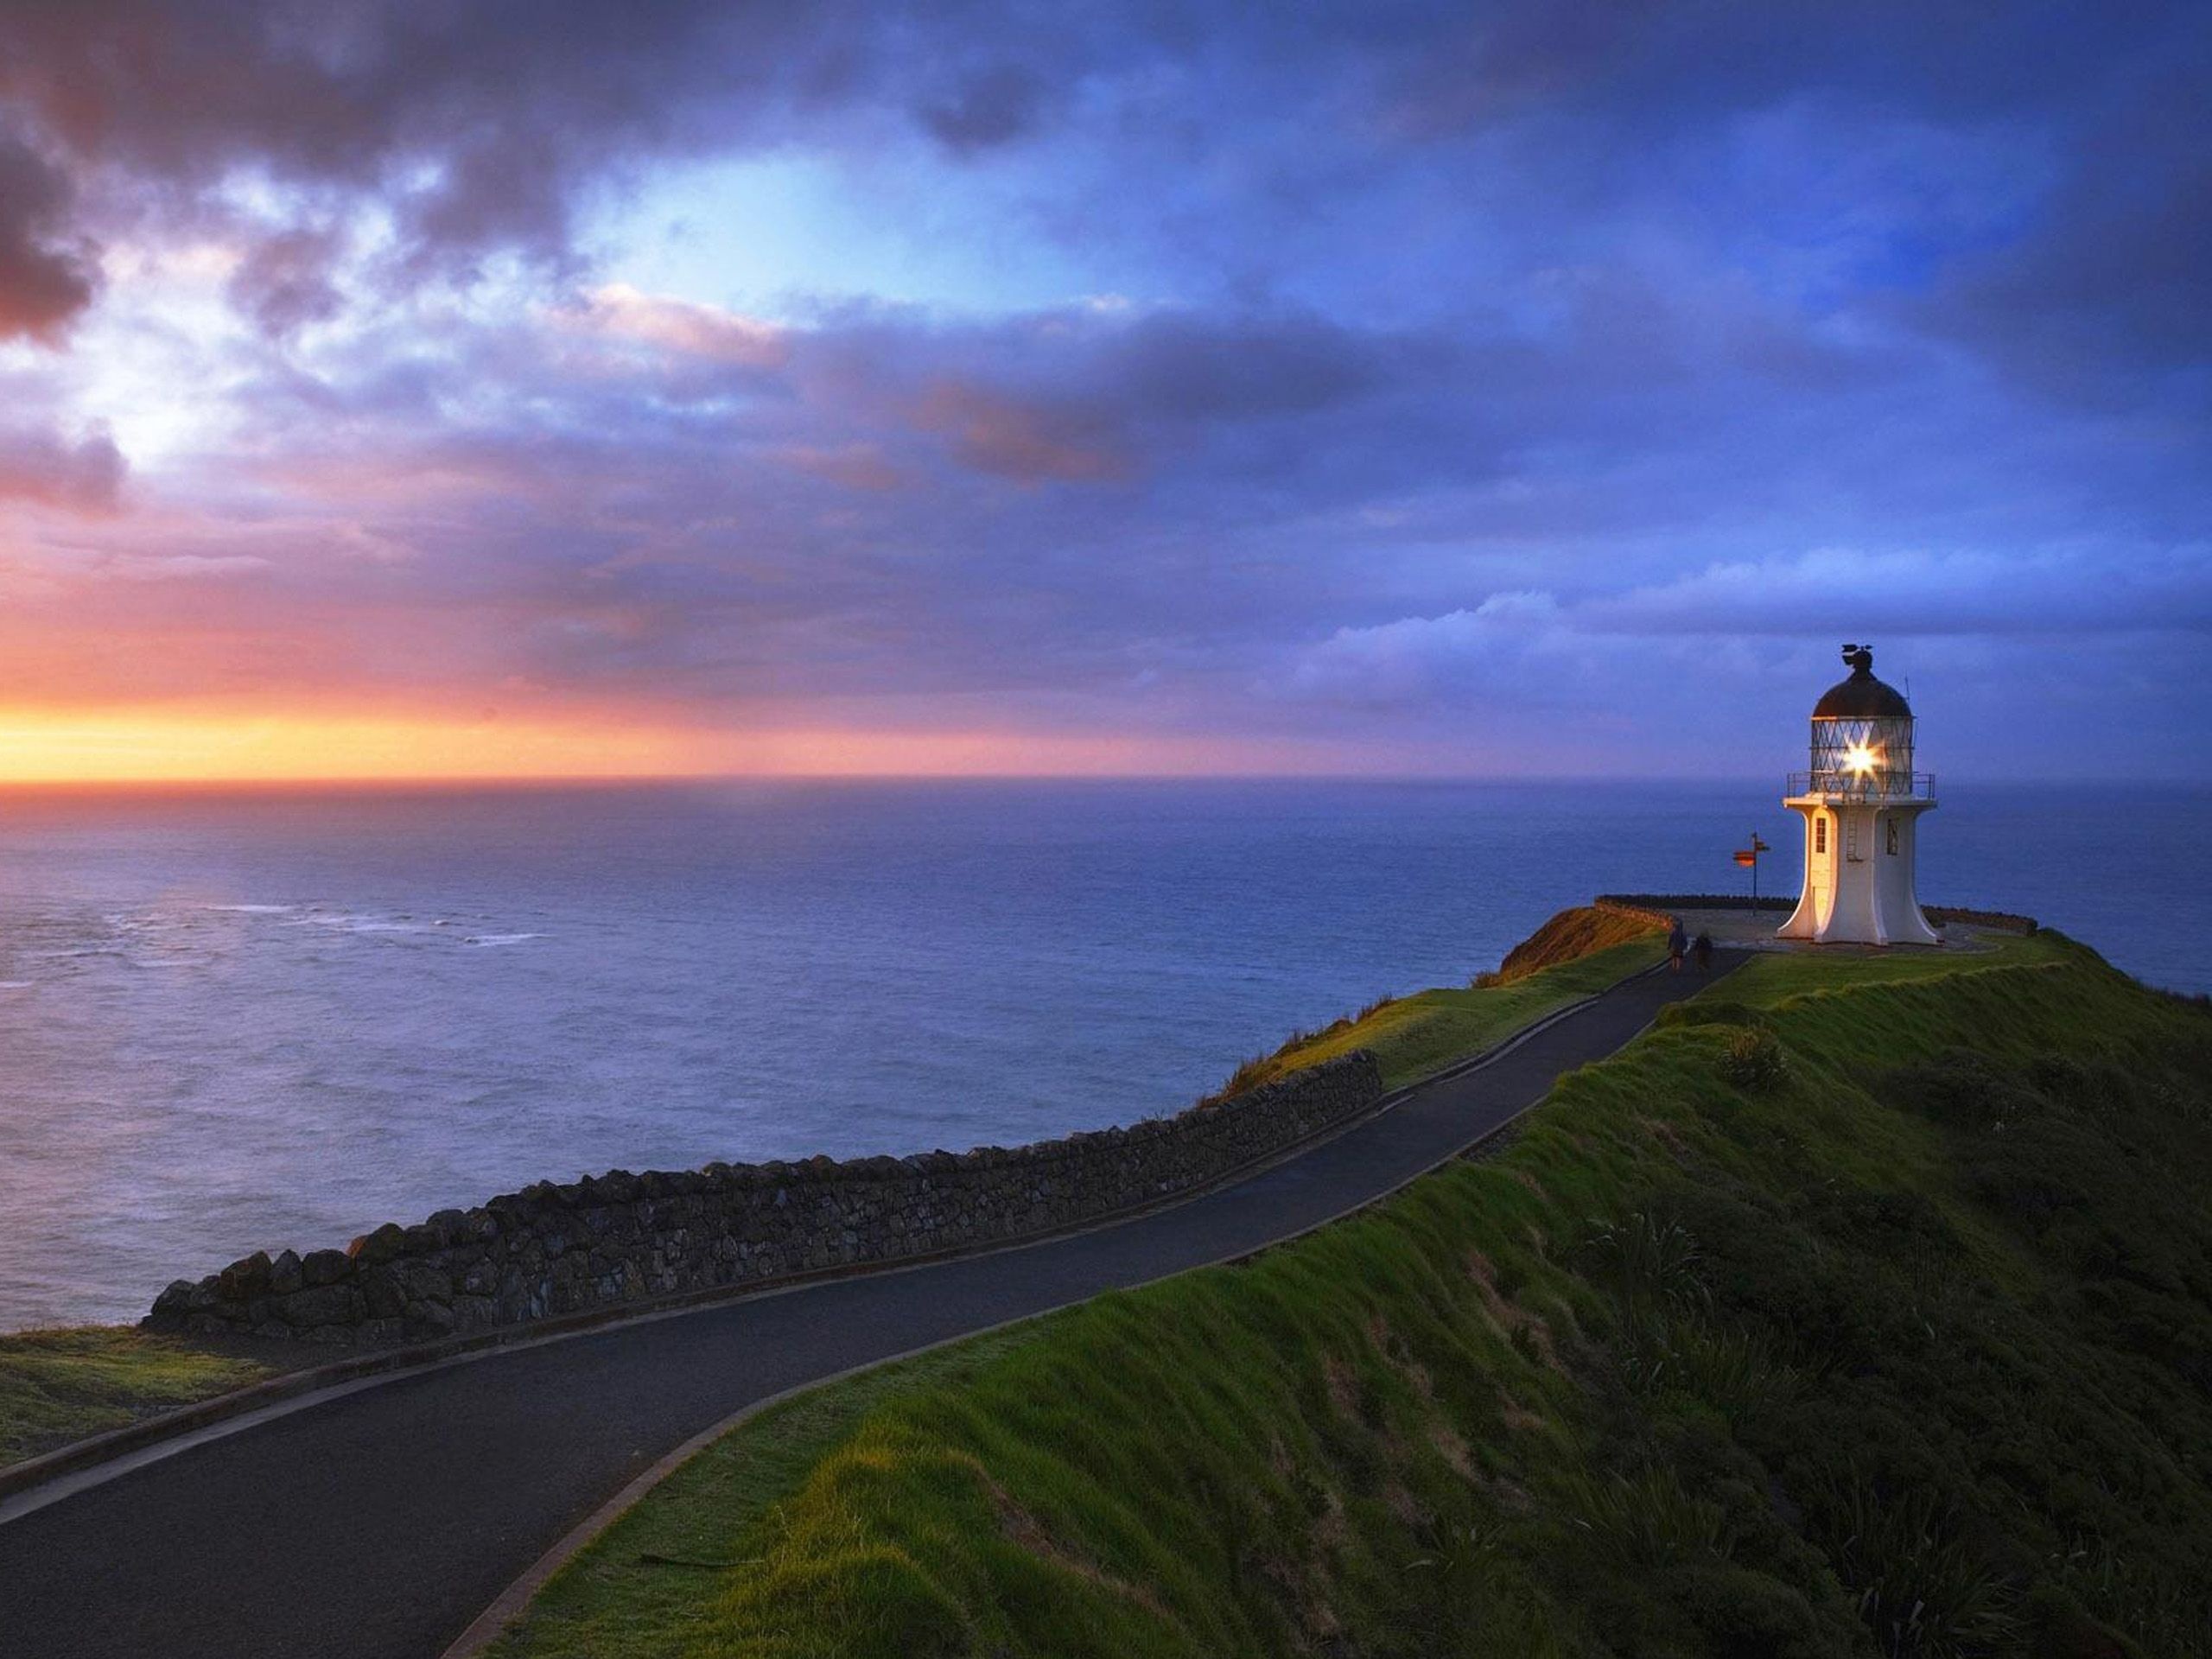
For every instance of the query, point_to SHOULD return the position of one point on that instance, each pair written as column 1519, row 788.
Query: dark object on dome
column 1862, row 696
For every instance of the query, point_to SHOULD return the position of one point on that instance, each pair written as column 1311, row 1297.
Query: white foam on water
column 345, row 921
column 500, row 939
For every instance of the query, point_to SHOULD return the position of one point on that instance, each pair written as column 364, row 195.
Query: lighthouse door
column 1820, row 863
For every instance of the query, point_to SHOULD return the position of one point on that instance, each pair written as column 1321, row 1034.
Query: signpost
column 1749, row 858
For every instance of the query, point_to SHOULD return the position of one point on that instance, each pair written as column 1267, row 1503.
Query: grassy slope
column 1581, row 931
column 59, row 1386
column 1414, row 1035
column 1908, row 1352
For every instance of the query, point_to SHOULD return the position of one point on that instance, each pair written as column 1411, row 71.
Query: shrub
column 1647, row 1520
column 1921, row 1587
column 1732, row 1371
column 2170, row 1618
column 1962, row 1089
column 1648, row 1262
column 1754, row 1062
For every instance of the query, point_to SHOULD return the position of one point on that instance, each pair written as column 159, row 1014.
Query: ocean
column 233, row 1019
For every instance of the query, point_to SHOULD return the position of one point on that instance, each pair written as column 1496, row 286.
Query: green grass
column 1904, row 1347
column 1773, row 975
column 1412, row 1036
column 59, row 1386
column 708, row 1516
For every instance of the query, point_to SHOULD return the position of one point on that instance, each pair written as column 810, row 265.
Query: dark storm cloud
column 1180, row 366
column 2107, row 291
column 1650, row 66
column 478, row 123
column 989, row 108
column 44, row 280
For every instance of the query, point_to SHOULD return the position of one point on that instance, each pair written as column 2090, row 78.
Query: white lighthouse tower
column 1861, row 802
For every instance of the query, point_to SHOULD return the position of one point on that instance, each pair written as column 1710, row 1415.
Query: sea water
column 242, row 1020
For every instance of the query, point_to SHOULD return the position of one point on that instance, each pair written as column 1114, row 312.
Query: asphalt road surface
column 378, row 1524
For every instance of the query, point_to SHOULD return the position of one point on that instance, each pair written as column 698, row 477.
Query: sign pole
column 1748, row 857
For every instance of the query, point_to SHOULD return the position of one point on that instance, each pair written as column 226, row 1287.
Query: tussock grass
column 62, row 1385
column 1825, row 1367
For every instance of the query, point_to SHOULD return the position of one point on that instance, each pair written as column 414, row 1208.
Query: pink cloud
column 686, row 327
column 852, row 466
column 46, row 468
column 1030, row 442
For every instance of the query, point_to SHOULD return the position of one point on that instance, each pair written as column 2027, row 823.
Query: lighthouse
column 1861, row 802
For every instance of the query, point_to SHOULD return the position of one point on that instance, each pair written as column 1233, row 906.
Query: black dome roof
column 1862, row 696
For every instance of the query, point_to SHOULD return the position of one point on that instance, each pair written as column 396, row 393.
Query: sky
column 554, row 387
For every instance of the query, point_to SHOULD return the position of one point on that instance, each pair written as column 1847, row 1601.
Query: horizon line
column 490, row 781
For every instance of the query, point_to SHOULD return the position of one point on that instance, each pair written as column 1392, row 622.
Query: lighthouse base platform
column 1733, row 923
column 1858, row 872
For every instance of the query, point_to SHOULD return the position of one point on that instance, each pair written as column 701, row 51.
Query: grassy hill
column 62, row 1385
column 1577, row 953
column 1865, row 1306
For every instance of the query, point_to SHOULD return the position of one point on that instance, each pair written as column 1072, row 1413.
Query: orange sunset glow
column 38, row 746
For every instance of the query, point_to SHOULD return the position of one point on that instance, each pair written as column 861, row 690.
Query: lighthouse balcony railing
column 1862, row 787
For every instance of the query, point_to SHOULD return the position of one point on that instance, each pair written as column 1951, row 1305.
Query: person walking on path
column 1702, row 948
column 1677, row 941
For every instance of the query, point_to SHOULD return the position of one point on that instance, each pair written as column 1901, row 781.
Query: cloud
column 1028, row 441
column 852, row 466
column 45, row 279
column 1511, row 641
column 1910, row 591
column 474, row 128
column 1180, row 366
column 185, row 567
column 1495, row 388
column 2100, row 295
column 708, row 333
column 43, row 468
column 990, row 108
column 284, row 281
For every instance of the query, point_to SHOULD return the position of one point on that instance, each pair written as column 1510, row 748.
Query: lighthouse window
column 1819, row 834
column 1893, row 837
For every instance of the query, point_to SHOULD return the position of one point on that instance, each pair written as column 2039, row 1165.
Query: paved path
column 376, row 1525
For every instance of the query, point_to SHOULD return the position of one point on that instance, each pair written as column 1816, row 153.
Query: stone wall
column 552, row 1250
